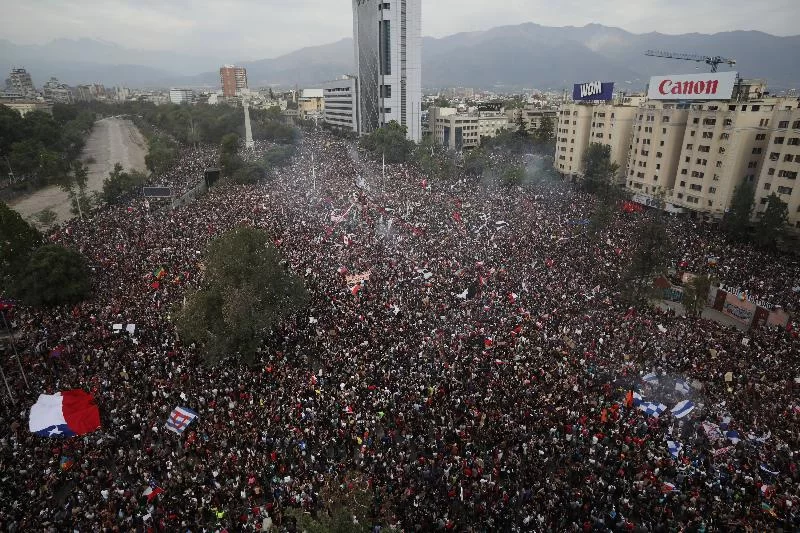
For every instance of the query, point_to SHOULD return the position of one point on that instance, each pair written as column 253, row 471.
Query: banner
column 594, row 90
column 711, row 86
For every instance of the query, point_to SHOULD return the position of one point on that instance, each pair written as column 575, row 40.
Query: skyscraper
column 232, row 79
column 19, row 82
column 388, row 58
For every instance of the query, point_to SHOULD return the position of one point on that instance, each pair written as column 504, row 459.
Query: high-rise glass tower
column 388, row 58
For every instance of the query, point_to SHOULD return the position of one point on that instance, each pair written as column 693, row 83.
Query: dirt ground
column 113, row 140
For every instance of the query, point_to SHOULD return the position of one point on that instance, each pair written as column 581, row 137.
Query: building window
column 794, row 141
column 684, row 171
column 689, row 146
column 724, row 136
column 784, row 190
column 767, row 186
column 696, row 187
column 683, row 184
column 712, row 190
column 386, row 91
column 771, row 172
column 665, row 119
column 385, row 32
column 752, row 164
column 779, row 140
column 783, row 124
column 680, row 195
column 691, row 133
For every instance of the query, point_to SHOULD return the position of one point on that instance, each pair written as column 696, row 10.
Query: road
column 113, row 140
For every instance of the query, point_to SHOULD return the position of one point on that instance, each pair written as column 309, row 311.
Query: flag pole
column 11, row 396
column 14, row 346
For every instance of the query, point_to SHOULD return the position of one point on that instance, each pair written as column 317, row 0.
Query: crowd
column 480, row 379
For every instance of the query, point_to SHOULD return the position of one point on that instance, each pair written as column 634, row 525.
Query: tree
column 249, row 173
column 737, row 220
column 599, row 171
column 75, row 186
column 650, row 259
column 229, row 159
column 695, row 294
column 53, row 275
column 476, row 161
column 389, row 141
column 161, row 154
column 46, row 217
column 773, row 222
column 120, row 184
column 522, row 127
column 441, row 101
column 545, row 132
column 18, row 240
column 249, row 290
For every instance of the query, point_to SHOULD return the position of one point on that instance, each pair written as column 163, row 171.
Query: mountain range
column 507, row 57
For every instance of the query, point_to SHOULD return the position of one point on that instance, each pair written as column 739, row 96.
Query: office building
column 20, row 82
column 465, row 130
column 23, row 107
column 781, row 165
column 532, row 116
column 341, row 103
column 388, row 57
column 311, row 103
column 181, row 96
column 232, row 79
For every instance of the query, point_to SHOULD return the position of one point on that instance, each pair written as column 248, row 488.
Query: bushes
column 119, row 184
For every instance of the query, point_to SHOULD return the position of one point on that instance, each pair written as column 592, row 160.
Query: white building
column 388, row 58
column 181, row 96
column 341, row 103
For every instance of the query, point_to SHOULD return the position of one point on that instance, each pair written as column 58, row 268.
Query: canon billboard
column 712, row 86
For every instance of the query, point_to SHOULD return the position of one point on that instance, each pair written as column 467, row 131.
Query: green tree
column 476, row 161
column 736, row 223
column 53, row 275
column 161, row 154
column 229, row 160
column 441, row 101
column 599, row 172
column 119, row 184
column 46, row 217
column 74, row 185
column 772, row 224
column 389, row 141
column 545, row 133
column 249, row 173
column 650, row 259
column 18, row 240
column 522, row 126
column 249, row 290
column 695, row 294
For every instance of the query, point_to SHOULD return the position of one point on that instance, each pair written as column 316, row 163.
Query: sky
column 256, row 29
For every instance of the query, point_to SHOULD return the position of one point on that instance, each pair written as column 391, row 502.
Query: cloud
column 253, row 29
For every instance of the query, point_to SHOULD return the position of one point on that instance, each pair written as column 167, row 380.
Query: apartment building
column 572, row 137
column 655, row 147
column 459, row 131
column 612, row 126
column 340, row 103
column 181, row 96
column 232, row 79
column 532, row 116
column 724, row 145
column 782, row 164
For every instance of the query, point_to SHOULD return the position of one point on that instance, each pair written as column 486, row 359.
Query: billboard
column 594, row 90
column 156, row 192
column 711, row 86
column 493, row 106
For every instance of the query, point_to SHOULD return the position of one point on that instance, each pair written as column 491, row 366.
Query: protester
column 481, row 379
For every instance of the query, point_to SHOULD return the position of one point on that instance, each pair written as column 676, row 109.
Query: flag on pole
column 669, row 487
column 682, row 409
column 159, row 273
column 64, row 414
column 66, row 463
column 179, row 419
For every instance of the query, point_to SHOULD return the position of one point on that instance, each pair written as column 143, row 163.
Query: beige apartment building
column 572, row 137
column 532, row 116
column 612, row 126
column 724, row 145
column 779, row 172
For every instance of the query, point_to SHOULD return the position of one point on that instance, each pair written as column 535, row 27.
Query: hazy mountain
column 521, row 56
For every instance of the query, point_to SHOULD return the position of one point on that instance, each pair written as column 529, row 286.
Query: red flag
column 155, row 285
column 457, row 216
column 355, row 290
column 549, row 262
column 487, row 342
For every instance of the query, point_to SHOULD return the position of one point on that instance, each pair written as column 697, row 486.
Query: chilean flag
column 64, row 414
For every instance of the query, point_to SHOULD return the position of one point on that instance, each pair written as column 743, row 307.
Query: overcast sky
column 255, row 29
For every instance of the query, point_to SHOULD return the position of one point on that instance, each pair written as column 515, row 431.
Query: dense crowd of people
column 485, row 375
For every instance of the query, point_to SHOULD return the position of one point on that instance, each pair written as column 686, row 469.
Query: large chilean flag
column 64, row 414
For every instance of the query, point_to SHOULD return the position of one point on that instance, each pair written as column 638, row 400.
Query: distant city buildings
column 232, row 79
column 690, row 142
column 388, row 57
column 57, row 92
column 181, row 96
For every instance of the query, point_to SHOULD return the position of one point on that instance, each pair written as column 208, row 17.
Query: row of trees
column 244, row 172
column 40, row 148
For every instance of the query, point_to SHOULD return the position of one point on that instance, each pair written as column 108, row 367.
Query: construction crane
column 714, row 61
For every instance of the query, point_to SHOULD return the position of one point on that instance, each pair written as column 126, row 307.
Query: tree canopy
column 249, row 290
column 18, row 240
column 772, row 224
column 120, row 184
column 599, row 172
column 736, row 223
column 389, row 141
column 53, row 275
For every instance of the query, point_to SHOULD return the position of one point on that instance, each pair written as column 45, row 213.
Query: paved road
column 113, row 140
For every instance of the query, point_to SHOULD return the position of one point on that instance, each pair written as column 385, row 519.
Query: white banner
column 711, row 86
